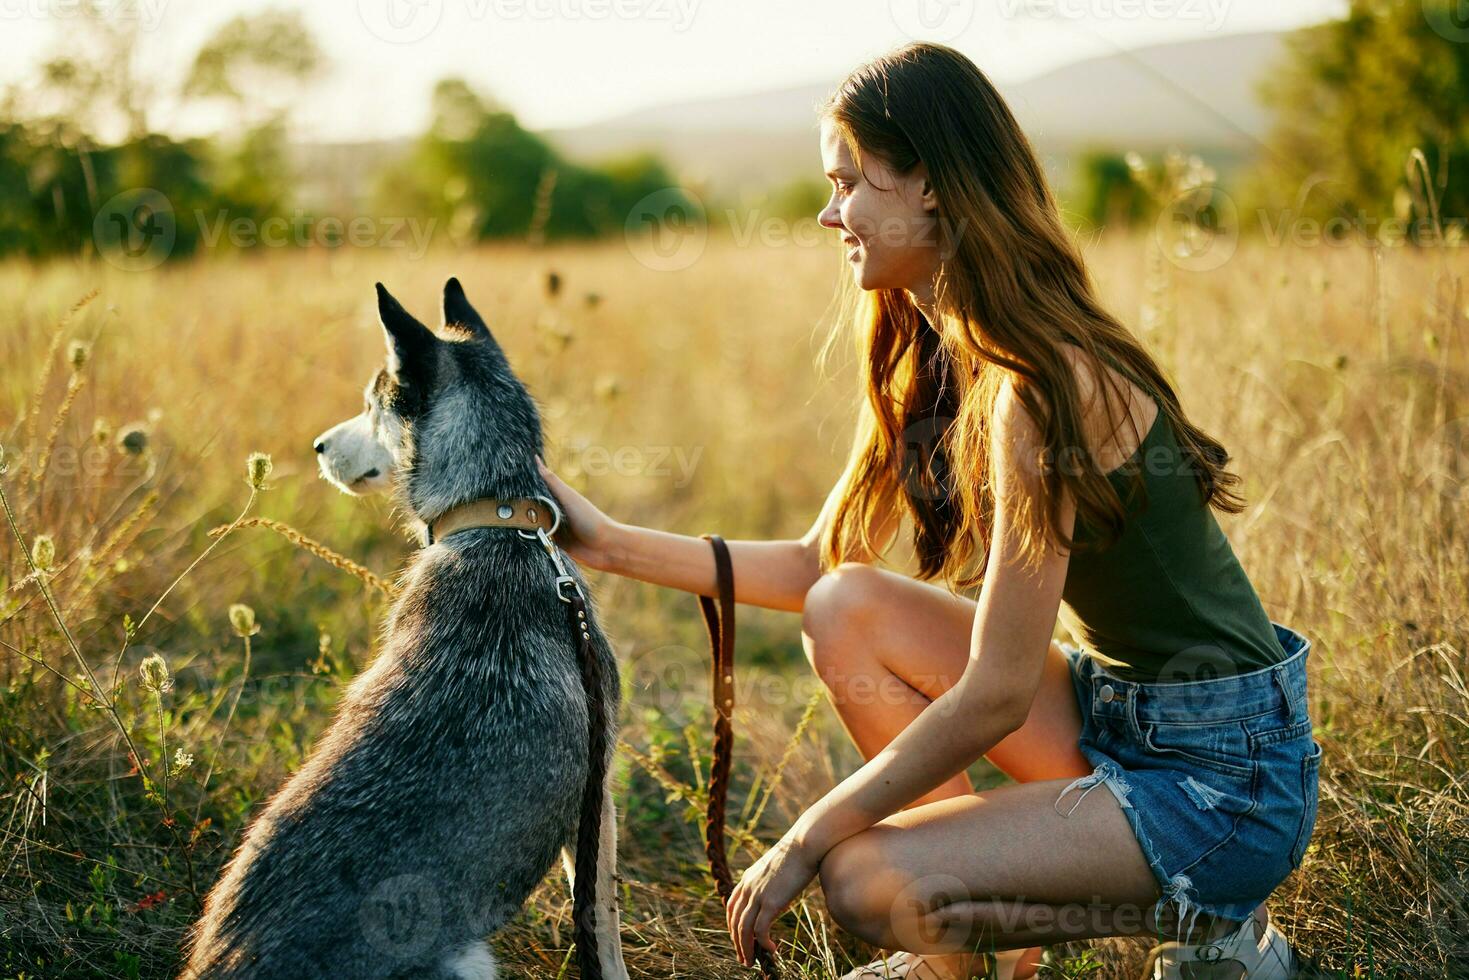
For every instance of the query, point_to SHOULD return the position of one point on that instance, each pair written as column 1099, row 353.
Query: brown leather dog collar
column 525, row 513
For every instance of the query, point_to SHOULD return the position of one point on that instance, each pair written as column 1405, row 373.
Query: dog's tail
column 589, row 831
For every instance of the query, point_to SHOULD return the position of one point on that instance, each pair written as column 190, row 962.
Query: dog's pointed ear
column 410, row 344
column 457, row 311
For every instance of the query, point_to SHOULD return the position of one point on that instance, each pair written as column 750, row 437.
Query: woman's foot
column 1016, row 964
column 1254, row 949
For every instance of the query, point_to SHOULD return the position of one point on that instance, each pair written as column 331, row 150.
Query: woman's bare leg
column 887, row 645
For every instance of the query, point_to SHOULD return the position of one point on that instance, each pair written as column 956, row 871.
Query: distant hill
column 1197, row 95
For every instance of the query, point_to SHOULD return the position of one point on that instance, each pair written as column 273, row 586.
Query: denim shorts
column 1217, row 776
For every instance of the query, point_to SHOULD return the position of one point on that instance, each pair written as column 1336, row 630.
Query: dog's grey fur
column 452, row 775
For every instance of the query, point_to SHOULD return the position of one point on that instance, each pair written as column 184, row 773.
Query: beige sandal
column 903, row 965
column 1270, row 957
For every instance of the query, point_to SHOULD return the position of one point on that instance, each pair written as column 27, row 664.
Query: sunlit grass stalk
column 123, row 534
column 678, row 790
column 43, row 379
column 228, row 721
column 316, row 548
column 748, row 831
column 162, row 748
column 43, row 462
column 138, row 626
column 43, row 664
column 108, row 704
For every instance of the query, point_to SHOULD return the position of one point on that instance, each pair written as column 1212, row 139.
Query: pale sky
column 565, row 62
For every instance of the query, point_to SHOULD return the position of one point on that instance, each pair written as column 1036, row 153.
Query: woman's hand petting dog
column 585, row 531
column 766, row 889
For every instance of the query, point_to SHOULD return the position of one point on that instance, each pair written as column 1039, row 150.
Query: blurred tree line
column 479, row 174
column 57, row 174
column 1352, row 101
column 1356, row 98
column 476, row 172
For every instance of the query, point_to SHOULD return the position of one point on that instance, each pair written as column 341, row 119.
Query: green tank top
column 1169, row 601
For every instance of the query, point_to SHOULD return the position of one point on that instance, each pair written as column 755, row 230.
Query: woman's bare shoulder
column 1116, row 414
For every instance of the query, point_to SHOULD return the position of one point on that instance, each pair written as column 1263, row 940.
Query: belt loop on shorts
column 1291, row 706
column 1132, row 698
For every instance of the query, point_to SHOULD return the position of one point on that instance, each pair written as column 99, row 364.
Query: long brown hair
column 1010, row 290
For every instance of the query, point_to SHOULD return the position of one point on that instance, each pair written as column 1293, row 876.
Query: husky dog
column 453, row 773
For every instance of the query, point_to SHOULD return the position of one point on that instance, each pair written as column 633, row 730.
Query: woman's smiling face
column 888, row 221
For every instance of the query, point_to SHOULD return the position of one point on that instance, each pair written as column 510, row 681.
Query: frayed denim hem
column 1180, row 888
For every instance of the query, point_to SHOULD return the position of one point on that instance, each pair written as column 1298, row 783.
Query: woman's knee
column 874, row 899
column 860, row 888
column 837, row 611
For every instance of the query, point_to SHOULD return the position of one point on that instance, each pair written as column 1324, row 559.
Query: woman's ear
column 927, row 197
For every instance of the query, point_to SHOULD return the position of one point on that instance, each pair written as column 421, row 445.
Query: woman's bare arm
column 772, row 574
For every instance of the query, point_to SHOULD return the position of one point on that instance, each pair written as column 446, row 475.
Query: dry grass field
column 690, row 401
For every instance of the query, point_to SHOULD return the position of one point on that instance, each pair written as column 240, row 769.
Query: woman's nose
column 831, row 215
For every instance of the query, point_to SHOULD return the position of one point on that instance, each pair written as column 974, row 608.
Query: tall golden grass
column 690, row 401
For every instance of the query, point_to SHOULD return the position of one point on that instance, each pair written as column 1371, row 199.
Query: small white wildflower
column 181, row 761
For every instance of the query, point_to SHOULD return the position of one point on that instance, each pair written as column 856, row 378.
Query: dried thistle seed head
column 77, row 353
column 43, row 552
column 133, row 439
column 154, row 673
column 258, row 467
column 607, row 387
column 554, row 336
column 242, row 619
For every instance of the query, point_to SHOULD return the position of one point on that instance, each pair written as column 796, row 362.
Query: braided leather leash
column 720, row 621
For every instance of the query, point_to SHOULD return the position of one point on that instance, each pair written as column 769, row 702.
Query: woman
column 1187, row 703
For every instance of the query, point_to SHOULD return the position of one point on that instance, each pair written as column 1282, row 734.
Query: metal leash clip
column 562, row 578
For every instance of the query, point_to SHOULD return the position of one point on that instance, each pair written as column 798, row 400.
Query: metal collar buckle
column 563, row 579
